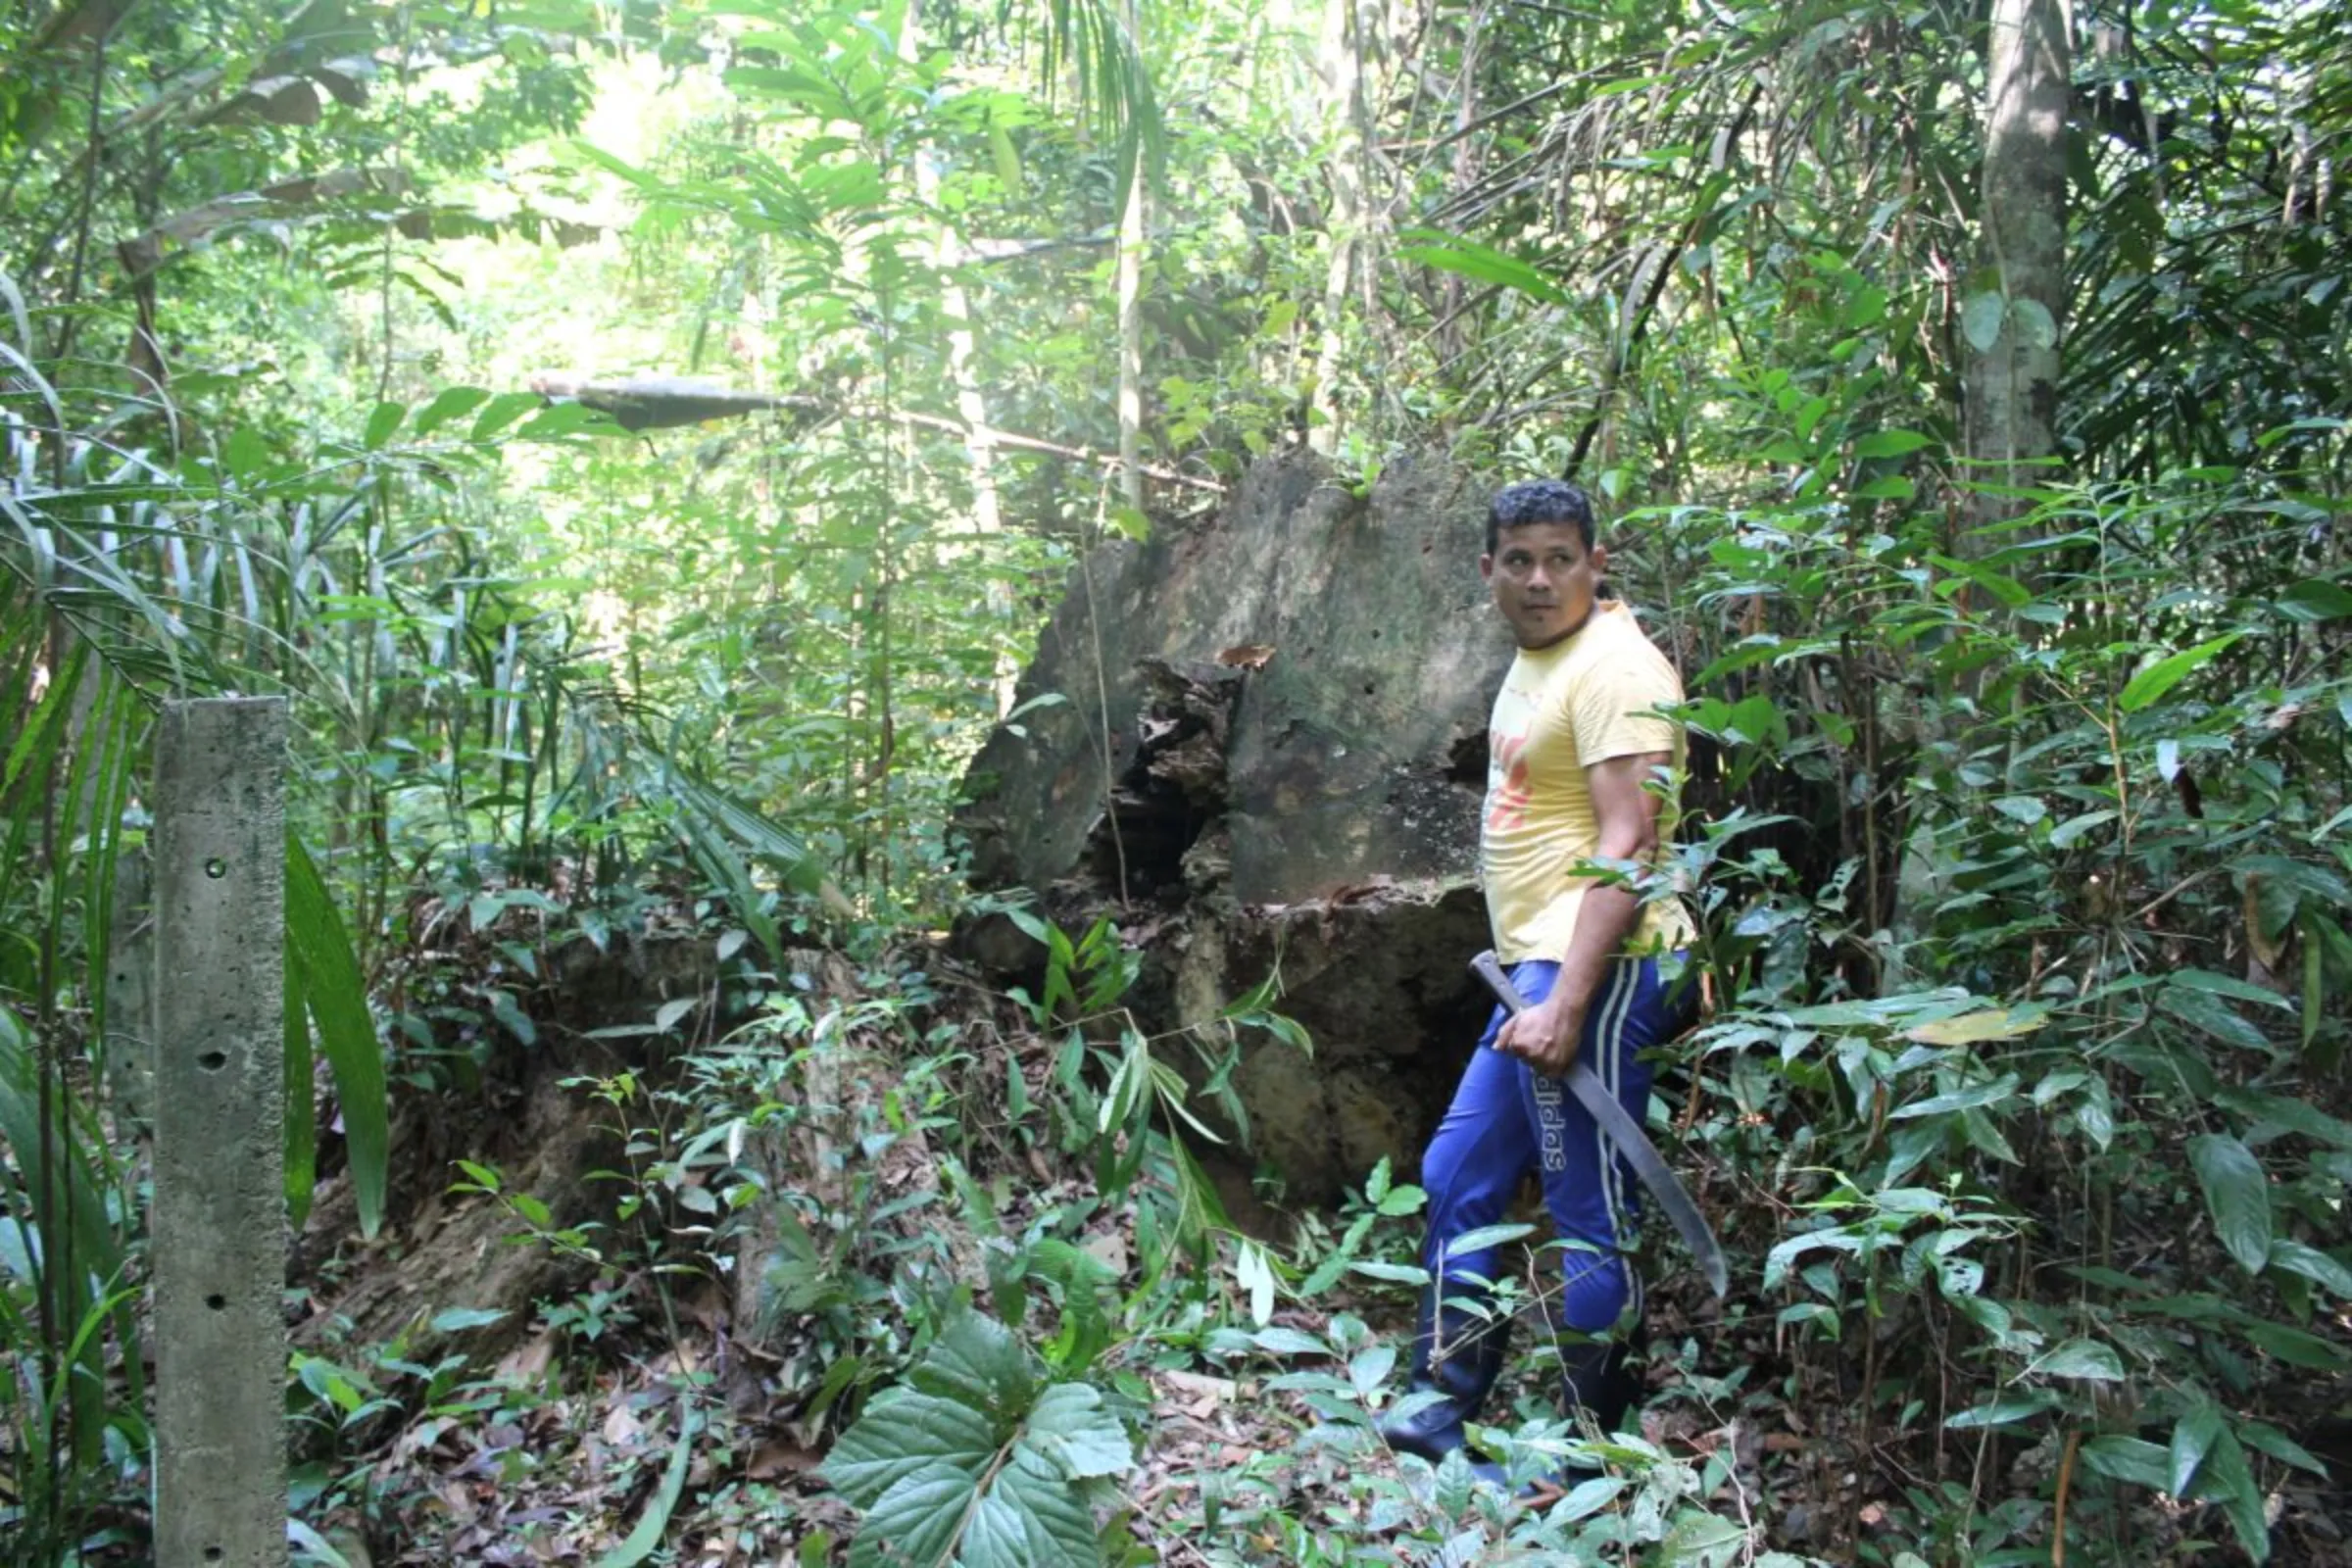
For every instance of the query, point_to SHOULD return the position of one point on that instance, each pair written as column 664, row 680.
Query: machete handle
column 1489, row 968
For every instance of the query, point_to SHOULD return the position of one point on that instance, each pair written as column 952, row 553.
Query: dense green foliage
column 2026, row 849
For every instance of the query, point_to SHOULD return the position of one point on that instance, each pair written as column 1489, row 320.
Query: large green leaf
column 2123, row 1458
column 1070, row 1425
column 971, row 1460
column 977, row 1363
column 899, row 1433
column 320, row 961
column 2229, row 1481
column 2236, row 1193
column 2151, row 683
column 2193, row 1436
column 920, row 1519
column 1481, row 263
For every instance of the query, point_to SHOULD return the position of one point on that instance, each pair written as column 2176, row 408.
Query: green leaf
column 2322, row 1269
column 2133, row 1459
column 1981, row 320
column 450, row 402
column 2193, row 1436
column 1070, row 1425
column 2291, row 1113
column 382, row 422
column 1890, row 443
column 654, row 1523
column 2279, row 1446
column 900, row 1433
column 2036, row 327
column 2296, row 1348
column 501, row 410
column 2025, row 808
column 1698, row 1539
column 1057, row 1523
column 2229, row 1481
column 2223, row 985
column 2002, row 1413
column 2087, row 1360
column 971, row 1460
column 1590, row 1496
column 978, row 1363
column 1449, row 253
column 1483, row 1237
column 2073, row 827
column 458, row 1320
column 918, row 1519
column 2000, row 1089
column 2153, row 682
column 2315, row 599
column 2210, row 1013
column 2237, row 1194
column 322, row 965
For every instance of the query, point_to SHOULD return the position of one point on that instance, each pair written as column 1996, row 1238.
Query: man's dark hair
column 1516, row 506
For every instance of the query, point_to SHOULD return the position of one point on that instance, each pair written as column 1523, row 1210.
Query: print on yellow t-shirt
column 1561, row 709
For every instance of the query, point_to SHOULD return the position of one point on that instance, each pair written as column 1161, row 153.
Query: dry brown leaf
column 776, row 1457
column 529, row 1361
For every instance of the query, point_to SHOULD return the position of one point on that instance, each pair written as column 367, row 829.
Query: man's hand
column 1544, row 1035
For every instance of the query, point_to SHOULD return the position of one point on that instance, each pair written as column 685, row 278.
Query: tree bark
column 1269, row 747
column 2012, row 397
column 1131, row 313
column 949, row 252
column 1340, row 62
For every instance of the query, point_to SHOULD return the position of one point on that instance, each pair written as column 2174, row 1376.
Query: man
column 1582, row 771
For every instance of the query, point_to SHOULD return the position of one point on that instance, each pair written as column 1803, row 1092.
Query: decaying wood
column 1267, row 755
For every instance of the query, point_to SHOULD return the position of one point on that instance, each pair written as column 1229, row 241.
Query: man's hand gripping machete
column 1640, row 1152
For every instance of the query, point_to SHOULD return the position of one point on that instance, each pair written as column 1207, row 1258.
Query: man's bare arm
column 1627, row 813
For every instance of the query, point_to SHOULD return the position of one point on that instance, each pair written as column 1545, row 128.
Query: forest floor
column 631, row 1403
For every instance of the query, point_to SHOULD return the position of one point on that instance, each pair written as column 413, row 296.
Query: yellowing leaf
column 1967, row 1028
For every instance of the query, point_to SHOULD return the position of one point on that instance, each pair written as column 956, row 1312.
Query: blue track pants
column 1505, row 1118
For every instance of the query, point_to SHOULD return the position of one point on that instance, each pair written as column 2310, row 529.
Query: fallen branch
column 670, row 402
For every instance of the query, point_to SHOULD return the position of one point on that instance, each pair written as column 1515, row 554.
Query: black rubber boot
column 1599, row 1386
column 1458, row 1352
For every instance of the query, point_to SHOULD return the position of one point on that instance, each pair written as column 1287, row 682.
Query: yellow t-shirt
column 1583, row 700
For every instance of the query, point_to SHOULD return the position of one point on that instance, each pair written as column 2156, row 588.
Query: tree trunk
column 948, row 253
column 1289, row 701
column 2013, row 320
column 1130, row 312
column 1340, row 62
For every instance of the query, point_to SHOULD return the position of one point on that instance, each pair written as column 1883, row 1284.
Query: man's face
column 1543, row 579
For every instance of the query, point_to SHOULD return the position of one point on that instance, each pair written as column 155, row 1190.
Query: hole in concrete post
column 214, row 1555
column 217, row 1302
column 215, row 869
column 212, row 1060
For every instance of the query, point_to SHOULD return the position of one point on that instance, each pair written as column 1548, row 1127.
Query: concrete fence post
column 220, row 1216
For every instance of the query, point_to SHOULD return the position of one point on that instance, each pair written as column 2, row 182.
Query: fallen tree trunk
column 672, row 402
column 1259, row 741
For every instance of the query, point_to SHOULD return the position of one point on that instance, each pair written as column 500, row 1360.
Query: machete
column 1626, row 1133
